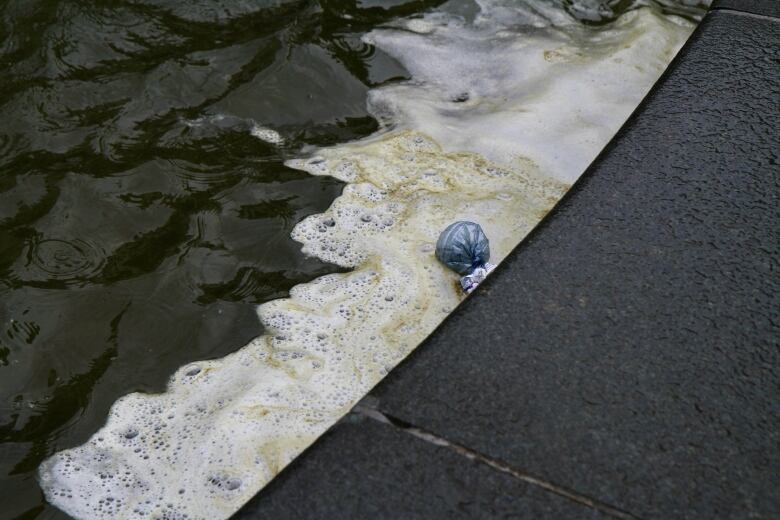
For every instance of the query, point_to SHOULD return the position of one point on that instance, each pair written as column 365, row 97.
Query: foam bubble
column 221, row 122
column 267, row 135
column 502, row 112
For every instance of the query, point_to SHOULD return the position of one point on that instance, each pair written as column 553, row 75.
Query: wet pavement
column 624, row 361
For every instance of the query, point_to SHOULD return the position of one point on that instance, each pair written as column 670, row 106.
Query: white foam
column 544, row 96
column 554, row 94
column 266, row 134
column 219, row 122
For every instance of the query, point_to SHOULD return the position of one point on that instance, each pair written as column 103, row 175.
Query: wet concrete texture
column 365, row 469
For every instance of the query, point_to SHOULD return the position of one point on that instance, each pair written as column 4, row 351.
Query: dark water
column 140, row 220
column 137, row 230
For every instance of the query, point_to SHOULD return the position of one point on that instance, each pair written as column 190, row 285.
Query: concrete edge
column 769, row 8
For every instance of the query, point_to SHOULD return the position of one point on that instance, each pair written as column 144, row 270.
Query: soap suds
column 502, row 113
column 266, row 134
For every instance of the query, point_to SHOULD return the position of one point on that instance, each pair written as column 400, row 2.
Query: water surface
column 140, row 219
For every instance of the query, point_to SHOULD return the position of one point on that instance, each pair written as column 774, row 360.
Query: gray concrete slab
column 761, row 7
column 628, row 350
column 364, row 469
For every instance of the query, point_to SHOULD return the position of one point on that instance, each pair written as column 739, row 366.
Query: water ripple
column 69, row 261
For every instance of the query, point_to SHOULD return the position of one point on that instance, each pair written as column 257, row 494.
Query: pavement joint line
column 731, row 10
column 376, row 415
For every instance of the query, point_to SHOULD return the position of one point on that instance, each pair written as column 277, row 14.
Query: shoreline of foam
column 471, row 141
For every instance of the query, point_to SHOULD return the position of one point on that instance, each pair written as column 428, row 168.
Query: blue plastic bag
column 463, row 247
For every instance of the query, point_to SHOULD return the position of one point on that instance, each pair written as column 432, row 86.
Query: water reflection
column 142, row 212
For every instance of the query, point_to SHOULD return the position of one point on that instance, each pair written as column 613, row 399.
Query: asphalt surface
column 625, row 359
